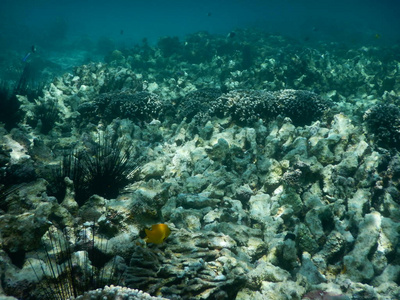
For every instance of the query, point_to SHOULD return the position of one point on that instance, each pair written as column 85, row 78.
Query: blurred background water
column 100, row 26
column 23, row 22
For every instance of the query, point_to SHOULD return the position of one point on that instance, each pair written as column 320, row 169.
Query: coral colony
column 245, row 166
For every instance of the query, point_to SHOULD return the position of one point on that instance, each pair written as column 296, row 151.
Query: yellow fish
column 157, row 234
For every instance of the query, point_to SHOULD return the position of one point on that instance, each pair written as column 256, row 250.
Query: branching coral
column 137, row 106
column 383, row 120
column 302, row 107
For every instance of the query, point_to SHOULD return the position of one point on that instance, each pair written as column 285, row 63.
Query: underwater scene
column 227, row 150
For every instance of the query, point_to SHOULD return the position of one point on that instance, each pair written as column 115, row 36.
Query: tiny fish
column 157, row 234
column 33, row 50
column 231, row 34
column 26, row 57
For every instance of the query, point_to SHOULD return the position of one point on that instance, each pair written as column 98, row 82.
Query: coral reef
column 197, row 103
column 137, row 106
column 271, row 191
column 112, row 292
column 245, row 107
column 188, row 267
column 302, row 107
column 383, row 120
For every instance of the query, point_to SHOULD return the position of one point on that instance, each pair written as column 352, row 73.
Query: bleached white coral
column 117, row 292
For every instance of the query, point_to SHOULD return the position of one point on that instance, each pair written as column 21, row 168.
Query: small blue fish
column 26, row 57
column 33, row 50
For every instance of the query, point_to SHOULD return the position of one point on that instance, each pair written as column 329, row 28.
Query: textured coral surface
column 278, row 174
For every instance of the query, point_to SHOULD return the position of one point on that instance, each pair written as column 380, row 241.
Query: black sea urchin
column 103, row 169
